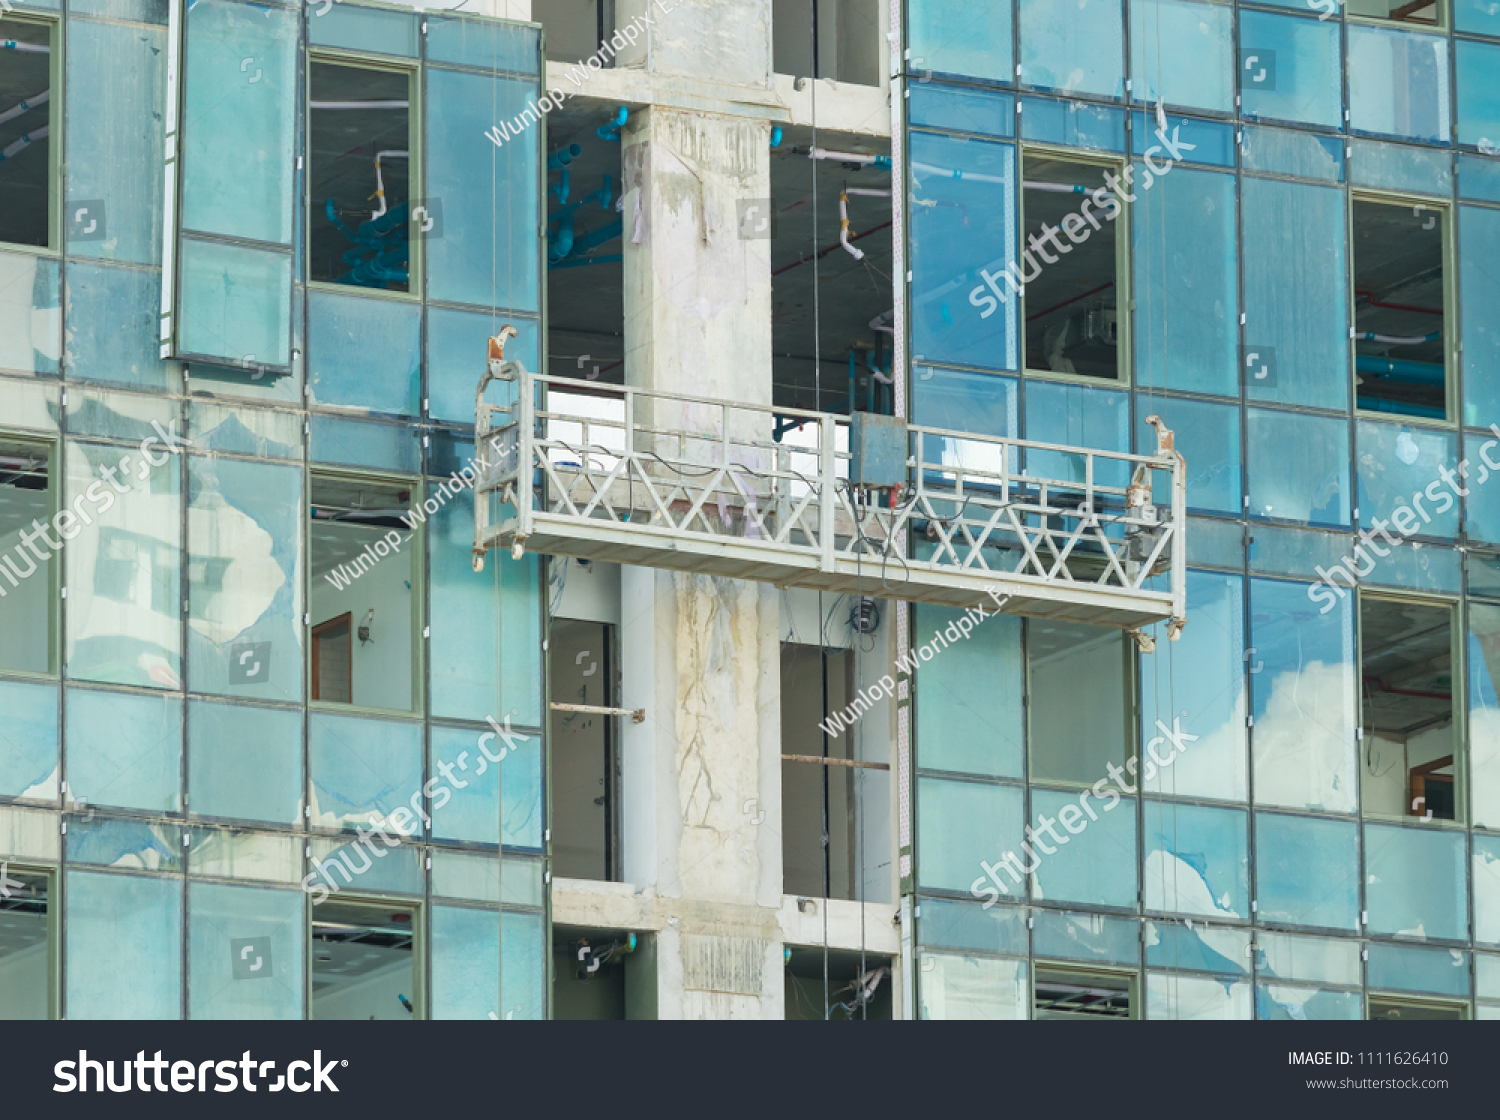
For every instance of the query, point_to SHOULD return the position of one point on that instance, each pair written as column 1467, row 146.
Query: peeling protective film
column 962, row 824
column 244, row 763
column 1302, row 691
column 1162, row 34
column 1300, row 978
column 1073, row 46
column 958, row 987
column 1193, row 699
column 1286, row 849
column 465, row 963
column 123, row 940
column 1402, row 968
column 523, row 966
column 124, row 750
column 1075, row 936
column 1398, row 83
column 958, row 37
column 1408, row 473
column 365, row 771
column 1415, row 884
column 1197, row 947
column 1093, row 859
column 1173, row 996
column 1196, row 860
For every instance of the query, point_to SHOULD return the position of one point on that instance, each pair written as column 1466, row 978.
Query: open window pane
column 25, row 133
column 25, row 938
column 1411, row 740
column 27, row 493
column 1400, row 352
column 585, row 773
column 1069, row 994
column 362, row 608
column 359, row 148
column 1070, row 268
column 363, row 966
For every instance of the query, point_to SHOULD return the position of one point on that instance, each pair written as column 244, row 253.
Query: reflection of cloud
column 1304, row 743
column 1172, row 883
column 1484, row 764
column 250, row 581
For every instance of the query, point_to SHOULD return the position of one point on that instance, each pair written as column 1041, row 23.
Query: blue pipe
column 1374, row 404
column 1399, row 369
column 563, row 156
column 562, row 186
column 560, row 244
column 1369, row 336
column 595, row 238
column 776, row 136
column 612, row 131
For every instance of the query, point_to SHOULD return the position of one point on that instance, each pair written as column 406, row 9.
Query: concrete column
column 702, row 798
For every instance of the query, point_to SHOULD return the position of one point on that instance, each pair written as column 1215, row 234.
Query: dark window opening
column 1069, row 263
column 1398, row 1009
column 363, row 964
column 836, row 39
column 585, row 770
column 858, row 984
column 1428, row 13
column 1400, row 362
column 25, row 132
column 576, row 29
column 26, row 598
column 364, row 615
column 359, row 177
column 1067, row 994
column 602, row 974
column 25, row 971
column 1406, row 680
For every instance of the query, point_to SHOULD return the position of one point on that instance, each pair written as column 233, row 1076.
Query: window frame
column 58, row 565
column 1441, row 24
column 1124, row 292
column 1074, row 970
column 1457, row 646
column 418, row 577
column 56, row 117
column 419, row 944
column 1404, row 999
column 1452, row 344
column 1130, row 713
column 416, row 278
column 53, row 877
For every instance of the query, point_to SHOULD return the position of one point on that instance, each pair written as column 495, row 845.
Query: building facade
column 275, row 742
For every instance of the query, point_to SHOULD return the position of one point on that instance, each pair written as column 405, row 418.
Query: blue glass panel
column 465, row 645
column 244, row 763
column 1419, row 567
column 456, row 341
column 1481, row 17
column 1443, row 972
column 245, row 431
column 520, row 661
column 465, row 963
column 364, row 353
column 1298, row 467
column 1062, row 935
column 1302, row 687
column 1073, row 124
column 359, row 865
column 1486, row 869
column 1303, row 1003
column 1285, row 849
column 1296, row 294
column 1324, row 960
column 959, row 37
column 1400, row 167
column 116, row 80
column 486, row 43
column 246, row 948
column 373, row 30
column 1484, row 713
column 364, row 771
column 238, row 122
column 1478, row 177
column 245, row 524
column 1214, row 543
column 487, row 254
column 132, row 845
column 125, row 750
column 1208, row 437
column 523, row 966
column 962, row 110
column 28, row 740
column 1073, row 46
column 1285, row 151
column 123, row 945
column 953, row 400
column 1200, row 141
column 963, row 229
column 30, row 314
column 962, row 824
column 1301, row 82
column 1415, row 884
column 357, row 443
column 1187, row 287
column 1193, row 695
column 1196, row 860
column 1076, row 416
column 1093, row 863
column 970, row 716
column 1295, row 552
column 1398, row 83
column 1402, row 472
column 114, row 326
column 1203, row 949
column 965, row 925
column 1478, row 92
column 1163, row 33
column 1479, row 287
column 235, row 304
column 1482, row 503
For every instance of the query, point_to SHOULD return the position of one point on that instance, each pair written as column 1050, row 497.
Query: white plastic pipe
column 21, row 106
column 852, row 250
column 24, row 141
column 841, row 157
column 379, row 182
column 25, row 48
column 867, row 191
